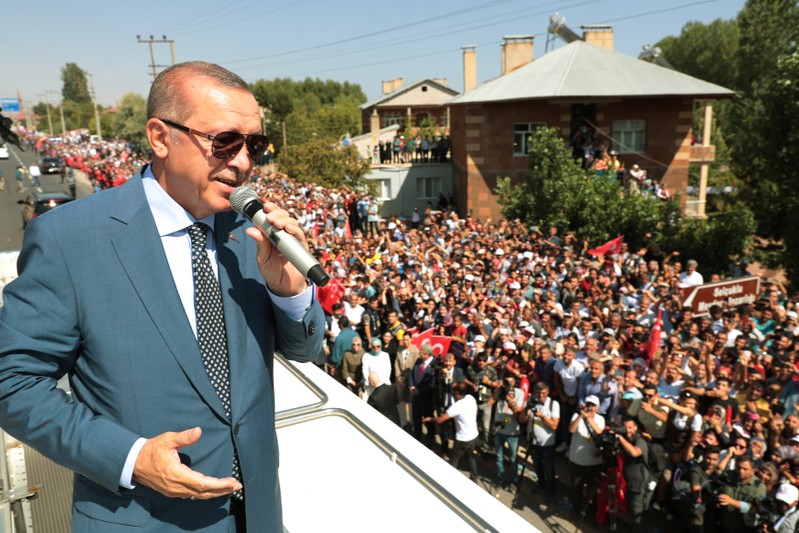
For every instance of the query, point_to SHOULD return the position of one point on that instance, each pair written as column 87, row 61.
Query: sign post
column 10, row 105
column 726, row 294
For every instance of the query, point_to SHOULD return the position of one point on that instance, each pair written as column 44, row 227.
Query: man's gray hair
column 167, row 98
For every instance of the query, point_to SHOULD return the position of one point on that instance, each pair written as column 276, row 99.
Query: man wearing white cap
column 585, row 461
column 787, row 496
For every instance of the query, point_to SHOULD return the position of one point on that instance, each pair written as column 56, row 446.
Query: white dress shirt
column 172, row 222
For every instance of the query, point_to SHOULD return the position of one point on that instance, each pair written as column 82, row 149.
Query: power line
column 427, row 36
column 382, row 32
column 656, row 12
column 216, row 22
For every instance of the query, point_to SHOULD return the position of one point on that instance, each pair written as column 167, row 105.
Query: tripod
column 520, row 466
column 605, row 483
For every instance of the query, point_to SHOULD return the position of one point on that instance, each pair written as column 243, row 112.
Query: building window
column 628, row 136
column 424, row 88
column 521, row 135
column 391, row 119
column 428, row 188
column 384, row 189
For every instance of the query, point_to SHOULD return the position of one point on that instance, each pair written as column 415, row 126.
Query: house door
column 583, row 116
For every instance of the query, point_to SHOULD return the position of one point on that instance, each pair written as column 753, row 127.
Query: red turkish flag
column 330, row 294
column 422, row 338
column 609, row 248
column 654, row 337
column 439, row 343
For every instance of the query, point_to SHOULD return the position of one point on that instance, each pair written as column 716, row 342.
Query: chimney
column 441, row 81
column 469, row 67
column 389, row 86
column 600, row 35
column 517, row 51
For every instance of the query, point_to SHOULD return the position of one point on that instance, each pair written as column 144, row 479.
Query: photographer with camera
column 484, row 381
column 635, row 454
column 785, row 501
column 542, row 415
column 509, row 401
column 585, row 460
column 700, row 507
column 739, row 493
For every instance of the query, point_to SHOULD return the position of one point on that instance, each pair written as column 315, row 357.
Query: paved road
column 10, row 214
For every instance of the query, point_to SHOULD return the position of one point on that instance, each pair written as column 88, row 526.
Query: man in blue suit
column 105, row 295
column 422, row 389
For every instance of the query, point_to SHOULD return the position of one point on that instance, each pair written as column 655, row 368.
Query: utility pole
column 61, row 110
column 152, row 41
column 25, row 111
column 49, row 117
column 94, row 105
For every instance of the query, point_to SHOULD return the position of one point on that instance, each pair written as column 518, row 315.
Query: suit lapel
column 232, row 251
column 142, row 258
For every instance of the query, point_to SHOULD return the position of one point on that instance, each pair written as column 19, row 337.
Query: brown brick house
column 642, row 110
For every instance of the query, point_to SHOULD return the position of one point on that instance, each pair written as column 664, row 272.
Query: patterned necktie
column 211, row 333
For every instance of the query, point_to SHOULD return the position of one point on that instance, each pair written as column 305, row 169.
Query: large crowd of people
column 549, row 351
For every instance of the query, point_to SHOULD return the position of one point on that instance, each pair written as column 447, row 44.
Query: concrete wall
column 403, row 186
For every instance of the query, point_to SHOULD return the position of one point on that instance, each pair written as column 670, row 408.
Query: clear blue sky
column 360, row 41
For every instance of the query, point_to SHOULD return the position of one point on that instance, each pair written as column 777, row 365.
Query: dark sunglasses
column 227, row 144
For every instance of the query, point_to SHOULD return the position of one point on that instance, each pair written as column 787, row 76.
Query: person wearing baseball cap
column 585, row 461
column 787, row 496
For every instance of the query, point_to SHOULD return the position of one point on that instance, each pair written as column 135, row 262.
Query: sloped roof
column 584, row 70
column 406, row 88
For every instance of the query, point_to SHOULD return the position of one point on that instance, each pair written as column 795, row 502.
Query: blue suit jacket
column 95, row 299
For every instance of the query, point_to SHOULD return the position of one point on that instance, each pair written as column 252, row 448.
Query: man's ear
column 158, row 135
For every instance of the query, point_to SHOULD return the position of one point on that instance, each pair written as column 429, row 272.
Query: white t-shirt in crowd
column 569, row 375
column 542, row 434
column 464, row 413
column 582, row 450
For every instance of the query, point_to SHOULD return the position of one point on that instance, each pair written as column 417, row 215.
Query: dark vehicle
column 52, row 165
column 38, row 203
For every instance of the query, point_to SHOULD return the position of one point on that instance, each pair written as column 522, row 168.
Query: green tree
column 76, row 88
column 708, row 52
column 312, row 110
column 769, row 29
column 763, row 126
column 40, row 110
column 324, row 164
column 78, row 114
column 558, row 192
column 714, row 242
column 129, row 122
column 705, row 51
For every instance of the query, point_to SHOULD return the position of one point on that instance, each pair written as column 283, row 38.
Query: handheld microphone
column 243, row 200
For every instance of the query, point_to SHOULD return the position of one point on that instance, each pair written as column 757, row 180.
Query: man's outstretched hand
column 159, row 467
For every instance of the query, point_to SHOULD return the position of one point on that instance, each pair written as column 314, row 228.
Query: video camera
column 533, row 402
column 767, row 514
column 608, row 444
